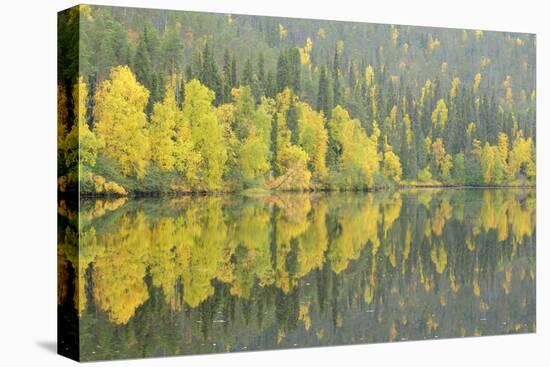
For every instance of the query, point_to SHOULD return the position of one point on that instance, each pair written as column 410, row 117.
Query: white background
column 28, row 179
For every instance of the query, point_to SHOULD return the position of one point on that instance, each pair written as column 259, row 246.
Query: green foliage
column 459, row 169
column 308, row 93
column 425, row 174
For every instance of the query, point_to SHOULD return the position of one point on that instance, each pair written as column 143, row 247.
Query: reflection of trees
column 311, row 268
column 118, row 284
column 253, row 254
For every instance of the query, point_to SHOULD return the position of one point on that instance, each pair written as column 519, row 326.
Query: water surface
column 203, row 274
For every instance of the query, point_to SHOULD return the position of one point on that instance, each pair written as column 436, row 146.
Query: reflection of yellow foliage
column 470, row 245
column 442, row 214
column 439, row 257
column 431, row 324
column 292, row 222
column 475, row 287
column 393, row 332
column 358, row 225
column 368, row 294
column 88, row 251
column 228, row 240
column 314, row 242
column 483, row 306
column 406, row 248
column 101, row 206
column 507, row 280
column 392, row 211
column 454, row 285
column 280, row 335
column 119, row 287
column 253, row 233
column 304, row 316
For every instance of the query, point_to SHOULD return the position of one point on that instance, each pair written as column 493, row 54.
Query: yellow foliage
column 120, row 120
column 164, row 119
column 204, row 169
column 373, row 95
column 313, row 139
column 521, row 157
column 305, row 52
column 455, row 84
column 478, row 33
column 294, row 160
column 359, row 157
column 369, row 76
column 80, row 145
column 62, row 113
column 443, row 160
column 282, row 32
column 392, row 165
column 507, row 85
column 485, row 61
column 119, row 286
column 433, row 43
column 303, row 315
column 477, row 82
column 439, row 257
column 394, row 35
column 102, row 186
column 321, row 33
column 440, row 114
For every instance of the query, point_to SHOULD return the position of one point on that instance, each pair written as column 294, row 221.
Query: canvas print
column 234, row 183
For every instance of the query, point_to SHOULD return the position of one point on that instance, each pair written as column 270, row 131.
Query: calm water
column 233, row 273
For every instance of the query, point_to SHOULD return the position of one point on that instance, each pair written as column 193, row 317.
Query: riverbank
column 260, row 192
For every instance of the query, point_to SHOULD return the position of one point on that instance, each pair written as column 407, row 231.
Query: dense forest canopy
column 173, row 101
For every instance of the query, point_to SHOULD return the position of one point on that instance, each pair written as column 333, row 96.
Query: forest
column 158, row 101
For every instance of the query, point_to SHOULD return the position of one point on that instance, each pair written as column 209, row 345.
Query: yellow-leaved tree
column 443, row 161
column 290, row 159
column 161, row 131
column 255, row 155
column 80, row 145
column 313, row 139
column 392, row 165
column 208, row 143
column 252, row 129
column 521, row 159
column 120, row 121
column 359, row 160
column 440, row 115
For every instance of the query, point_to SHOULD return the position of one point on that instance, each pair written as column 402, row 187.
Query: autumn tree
column 313, row 138
column 120, row 121
column 392, row 165
column 253, row 127
column 290, row 160
column 161, row 131
column 521, row 158
column 80, row 145
column 199, row 114
column 359, row 159
column 442, row 160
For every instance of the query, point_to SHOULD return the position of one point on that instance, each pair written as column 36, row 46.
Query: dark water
column 233, row 273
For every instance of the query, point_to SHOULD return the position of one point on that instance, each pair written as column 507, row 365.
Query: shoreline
column 262, row 192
